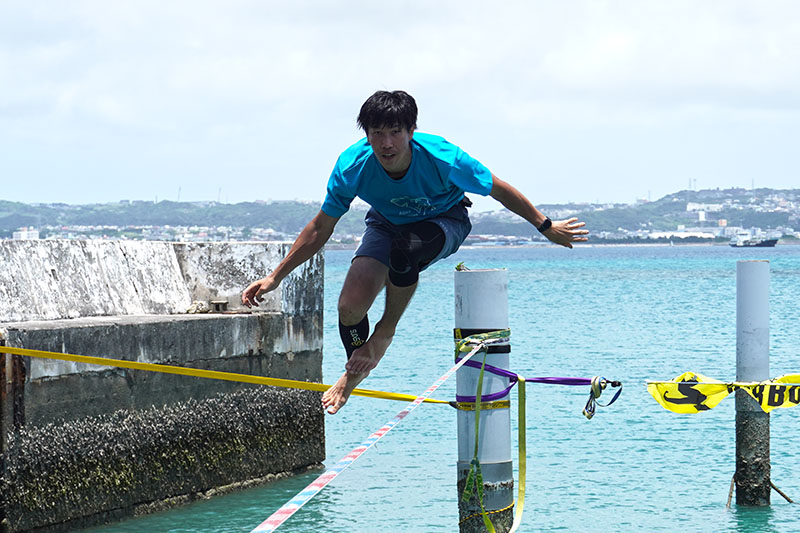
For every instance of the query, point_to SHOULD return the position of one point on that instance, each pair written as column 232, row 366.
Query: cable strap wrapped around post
column 470, row 406
column 475, row 476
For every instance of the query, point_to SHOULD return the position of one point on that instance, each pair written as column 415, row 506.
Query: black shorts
column 378, row 236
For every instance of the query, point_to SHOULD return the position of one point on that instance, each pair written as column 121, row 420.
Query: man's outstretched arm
column 563, row 232
column 311, row 239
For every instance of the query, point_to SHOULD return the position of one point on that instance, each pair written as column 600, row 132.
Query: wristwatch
column 545, row 225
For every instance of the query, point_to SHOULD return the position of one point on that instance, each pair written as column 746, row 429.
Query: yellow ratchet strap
column 523, row 462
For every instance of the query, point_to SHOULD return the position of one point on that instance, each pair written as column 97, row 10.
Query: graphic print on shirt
column 417, row 207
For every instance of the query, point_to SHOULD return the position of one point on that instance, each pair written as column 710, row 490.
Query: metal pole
column 752, row 364
column 481, row 305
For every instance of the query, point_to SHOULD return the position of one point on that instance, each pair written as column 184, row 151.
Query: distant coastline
column 589, row 244
column 703, row 215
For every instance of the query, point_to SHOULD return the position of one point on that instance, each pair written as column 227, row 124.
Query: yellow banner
column 693, row 393
column 689, row 393
column 783, row 391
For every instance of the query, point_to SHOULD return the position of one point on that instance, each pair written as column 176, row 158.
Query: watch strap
column 545, row 225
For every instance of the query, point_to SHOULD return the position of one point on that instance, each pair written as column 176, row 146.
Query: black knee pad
column 412, row 250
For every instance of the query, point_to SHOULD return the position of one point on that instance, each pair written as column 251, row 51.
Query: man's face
column 392, row 147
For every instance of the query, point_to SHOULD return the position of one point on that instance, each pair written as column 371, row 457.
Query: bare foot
column 369, row 355
column 334, row 398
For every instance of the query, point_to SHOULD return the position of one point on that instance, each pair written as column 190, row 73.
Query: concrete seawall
column 83, row 444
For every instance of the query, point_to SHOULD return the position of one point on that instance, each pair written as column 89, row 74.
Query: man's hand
column 565, row 232
column 252, row 294
column 313, row 237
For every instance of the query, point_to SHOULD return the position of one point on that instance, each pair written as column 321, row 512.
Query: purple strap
column 513, row 378
column 561, row 381
column 493, row 369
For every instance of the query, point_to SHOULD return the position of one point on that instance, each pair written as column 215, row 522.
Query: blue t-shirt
column 439, row 175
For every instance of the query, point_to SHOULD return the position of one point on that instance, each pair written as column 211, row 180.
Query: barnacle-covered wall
column 85, row 444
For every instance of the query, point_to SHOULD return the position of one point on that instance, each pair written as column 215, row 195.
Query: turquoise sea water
column 627, row 313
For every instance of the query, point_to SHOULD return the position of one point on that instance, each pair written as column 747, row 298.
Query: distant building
column 24, row 234
column 730, row 231
column 681, row 234
column 712, row 208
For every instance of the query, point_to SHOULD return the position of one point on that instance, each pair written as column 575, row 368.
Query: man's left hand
column 565, row 232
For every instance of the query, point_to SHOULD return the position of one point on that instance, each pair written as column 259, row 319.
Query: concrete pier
column 85, row 444
column 482, row 306
column 752, row 364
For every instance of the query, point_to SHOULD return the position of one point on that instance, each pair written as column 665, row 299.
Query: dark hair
column 384, row 108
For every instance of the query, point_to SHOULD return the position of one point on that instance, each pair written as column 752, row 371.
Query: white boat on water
column 748, row 239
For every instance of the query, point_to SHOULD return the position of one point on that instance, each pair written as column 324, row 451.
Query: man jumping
column 414, row 184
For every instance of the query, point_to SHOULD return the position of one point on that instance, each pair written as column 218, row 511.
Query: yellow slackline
column 208, row 374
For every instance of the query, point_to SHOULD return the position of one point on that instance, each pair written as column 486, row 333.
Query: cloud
column 189, row 92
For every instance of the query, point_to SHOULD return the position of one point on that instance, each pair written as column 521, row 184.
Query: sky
column 238, row 100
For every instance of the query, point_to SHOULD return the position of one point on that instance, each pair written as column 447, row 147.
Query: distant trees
column 746, row 208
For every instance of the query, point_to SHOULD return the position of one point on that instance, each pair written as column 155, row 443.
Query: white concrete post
column 752, row 364
column 481, row 305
